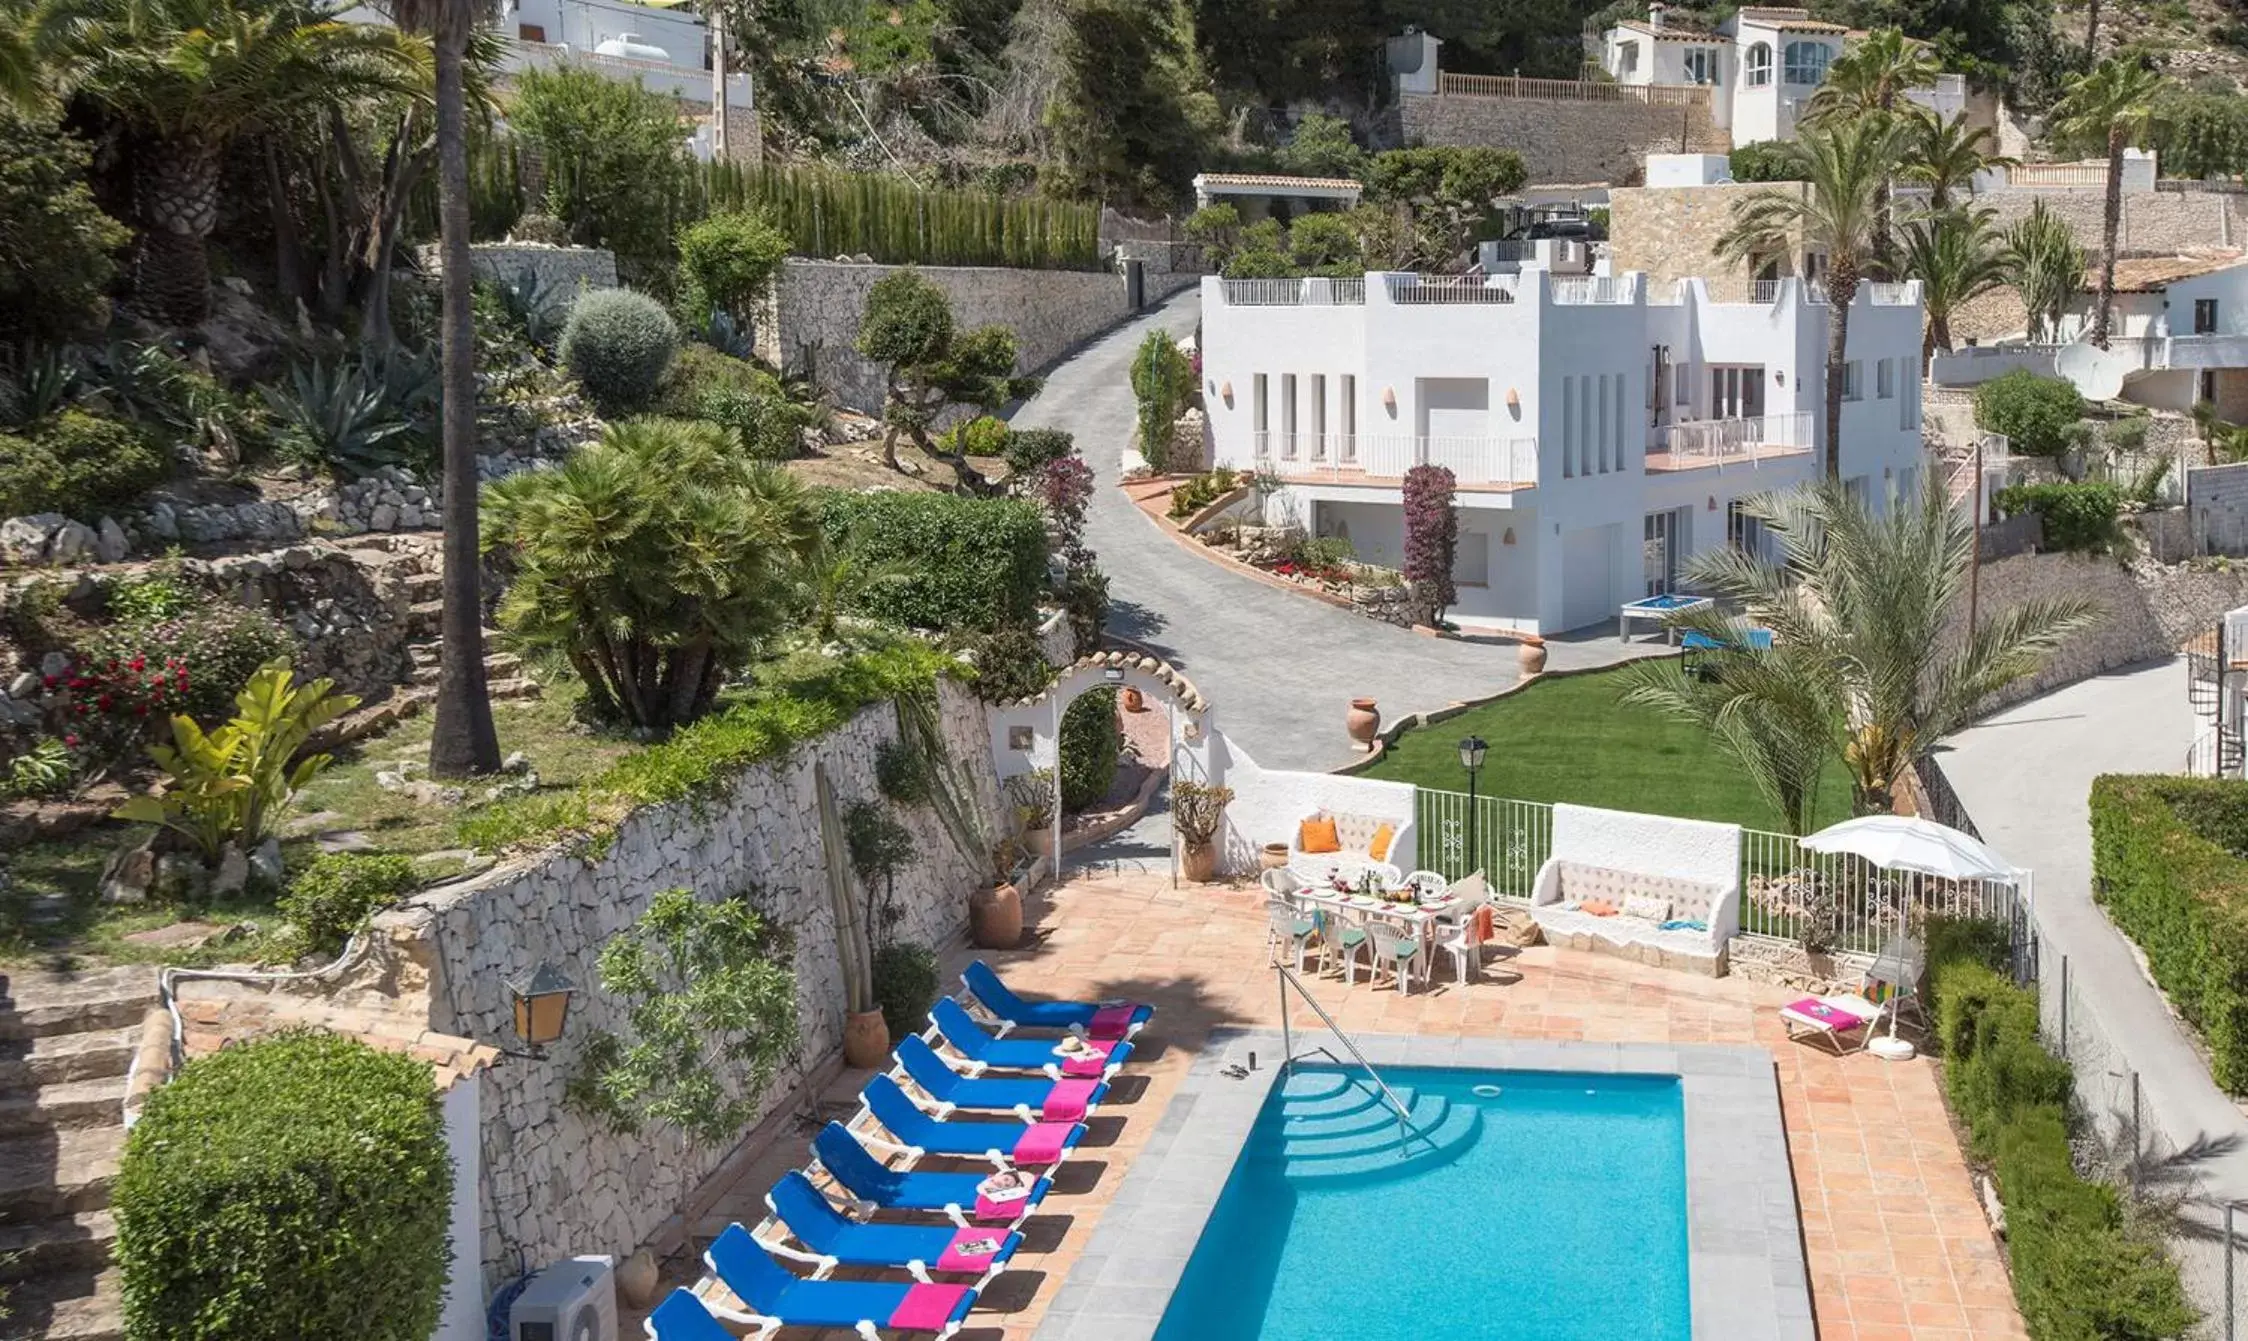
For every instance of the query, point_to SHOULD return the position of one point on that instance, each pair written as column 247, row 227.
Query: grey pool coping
column 1746, row 1273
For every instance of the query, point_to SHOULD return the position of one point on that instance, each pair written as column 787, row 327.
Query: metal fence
column 1570, row 90
column 1506, row 840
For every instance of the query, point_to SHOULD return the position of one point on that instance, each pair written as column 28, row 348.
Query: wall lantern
column 1389, row 400
column 1514, row 400
column 1225, row 393
column 542, row 1006
column 1713, row 502
column 1508, row 538
column 1779, row 378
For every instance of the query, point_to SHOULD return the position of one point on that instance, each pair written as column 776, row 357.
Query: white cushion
column 1650, row 907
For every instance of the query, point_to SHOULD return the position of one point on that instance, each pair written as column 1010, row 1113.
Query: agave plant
column 348, row 416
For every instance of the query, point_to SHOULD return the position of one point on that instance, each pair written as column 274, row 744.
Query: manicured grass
column 1572, row 739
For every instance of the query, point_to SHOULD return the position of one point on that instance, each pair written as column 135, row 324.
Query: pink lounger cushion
column 1832, row 1016
column 955, row 1259
column 1088, row 1063
column 1000, row 1212
column 1042, row 1143
column 1113, row 1021
column 1068, row 1101
column 928, row 1308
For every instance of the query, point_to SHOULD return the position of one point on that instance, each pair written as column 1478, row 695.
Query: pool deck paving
column 1896, row 1244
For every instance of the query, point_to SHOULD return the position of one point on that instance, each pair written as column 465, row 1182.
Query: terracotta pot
column 1040, row 840
column 637, row 1279
column 1200, row 861
column 1362, row 722
column 1272, row 856
column 1532, row 656
column 1133, row 701
column 866, row 1039
column 995, row 917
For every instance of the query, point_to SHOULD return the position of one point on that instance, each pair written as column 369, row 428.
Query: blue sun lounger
column 831, row 1239
column 875, row 1187
column 1107, row 1020
column 915, row 1134
column 775, row 1298
column 1032, row 1100
column 980, row 1050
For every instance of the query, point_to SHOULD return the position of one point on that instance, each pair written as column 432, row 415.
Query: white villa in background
column 1260, row 195
column 1599, row 433
column 1761, row 66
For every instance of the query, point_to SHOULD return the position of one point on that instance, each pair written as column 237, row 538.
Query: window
column 1736, row 392
column 1884, row 379
column 1568, row 428
column 1908, row 406
column 1288, row 415
column 1260, row 415
column 2204, row 316
column 1743, row 530
column 1600, row 443
column 1584, row 426
column 1814, row 267
column 1685, row 388
column 1854, row 380
column 1471, row 559
column 1806, row 62
column 1701, row 66
column 530, row 32
column 1349, row 406
column 1757, row 67
column 1627, row 58
column 1318, row 416
column 1616, row 454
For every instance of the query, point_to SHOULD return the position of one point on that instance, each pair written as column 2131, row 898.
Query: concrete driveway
column 1279, row 669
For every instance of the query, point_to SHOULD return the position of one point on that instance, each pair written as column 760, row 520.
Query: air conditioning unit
column 573, row 1300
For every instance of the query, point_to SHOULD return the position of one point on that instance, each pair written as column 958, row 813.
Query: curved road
column 1279, row 669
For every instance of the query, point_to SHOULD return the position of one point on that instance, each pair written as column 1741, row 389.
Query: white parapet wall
column 1268, row 804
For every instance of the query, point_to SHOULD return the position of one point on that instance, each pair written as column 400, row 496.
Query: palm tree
column 2047, row 266
column 1834, row 206
column 1957, row 257
column 2108, row 105
column 182, row 78
column 1872, row 76
column 1776, row 711
column 1944, row 154
column 1863, row 610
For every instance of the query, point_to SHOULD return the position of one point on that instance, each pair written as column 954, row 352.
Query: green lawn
column 1570, row 739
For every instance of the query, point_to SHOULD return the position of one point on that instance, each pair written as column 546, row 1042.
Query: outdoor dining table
column 1421, row 916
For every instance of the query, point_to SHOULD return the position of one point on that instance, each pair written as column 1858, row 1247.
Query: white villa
column 1599, row 432
column 1761, row 66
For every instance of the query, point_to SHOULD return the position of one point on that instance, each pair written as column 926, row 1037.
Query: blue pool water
column 1554, row 1210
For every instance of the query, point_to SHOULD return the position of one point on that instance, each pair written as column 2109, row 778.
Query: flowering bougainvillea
column 108, row 708
column 1432, row 536
column 1064, row 486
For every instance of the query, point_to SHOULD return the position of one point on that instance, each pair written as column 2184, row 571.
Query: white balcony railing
column 1426, row 289
column 1580, row 290
column 681, row 81
column 1722, row 442
column 1383, row 458
column 1294, row 292
column 1889, row 295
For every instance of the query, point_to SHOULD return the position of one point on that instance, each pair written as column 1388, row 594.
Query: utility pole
column 1975, row 561
column 718, row 81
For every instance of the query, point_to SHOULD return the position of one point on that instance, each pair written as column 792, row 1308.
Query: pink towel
column 1067, row 1101
column 1000, row 1212
column 928, row 1308
column 1833, row 1017
column 956, row 1257
column 1113, row 1021
column 1092, row 1063
column 1042, row 1143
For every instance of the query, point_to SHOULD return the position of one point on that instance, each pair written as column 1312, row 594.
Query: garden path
column 1280, row 668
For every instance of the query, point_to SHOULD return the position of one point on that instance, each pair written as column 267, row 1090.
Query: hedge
column 2077, row 516
column 940, row 561
column 297, row 1186
column 2167, row 866
column 2035, row 413
column 2083, row 1270
column 1091, row 745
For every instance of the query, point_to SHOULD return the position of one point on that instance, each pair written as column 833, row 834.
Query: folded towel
column 970, row 1250
column 1042, row 1143
column 1113, row 1021
column 1068, row 1100
column 1093, row 1064
column 1684, row 924
column 1833, row 1017
column 927, row 1308
column 1000, row 1212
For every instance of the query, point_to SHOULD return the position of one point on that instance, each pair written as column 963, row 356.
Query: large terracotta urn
column 866, row 1039
column 1040, row 839
column 1200, row 861
column 995, row 917
column 1532, row 657
column 1363, row 721
column 1134, row 701
column 1272, row 856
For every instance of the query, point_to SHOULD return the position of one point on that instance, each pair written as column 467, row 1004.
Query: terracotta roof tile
column 2152, row 274
column 221, row 1020
column 1670, row 32
column 1279, row 182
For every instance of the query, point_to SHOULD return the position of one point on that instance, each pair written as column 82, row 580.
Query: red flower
column 79, row 682
column 141, row 711
column 138, row 664
column 53, row 680
column 71, row 741
column 103, row 702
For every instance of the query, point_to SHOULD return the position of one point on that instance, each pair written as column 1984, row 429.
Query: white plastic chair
column 1343, row 937
column 1456, row 927
column 1287, row 926
column 1396, row 945
column 1281, row 882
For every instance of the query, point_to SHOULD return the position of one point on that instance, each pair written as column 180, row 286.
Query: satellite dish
column 632, row 46
column 2099, row 374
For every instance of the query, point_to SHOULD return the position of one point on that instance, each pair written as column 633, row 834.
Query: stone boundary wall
column 560, row 269
column 813, row 318
column 556, row 1184
column 1563, row 142
column 2217, row 507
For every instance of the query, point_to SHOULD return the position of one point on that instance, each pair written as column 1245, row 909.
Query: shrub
column 1010, row 666
column 1218, row 229
column 1163, row 382
column 333, row 897
column 290, row 1187
column 1766, row 161
column 906, row 983
column 613, row 155
column 1090, row 748
column 354, row 417
column 698, row 372
column 1200, row 491
column 617, row 343
column 56, row 245
column 219, row 644
column 727, row 260
column 77, row 464
column 2035, row 413
column 1029, row 449
column 961, row 563
column 544, row 229
column 1432, row 535
column 902, row 771
column 2078, row 515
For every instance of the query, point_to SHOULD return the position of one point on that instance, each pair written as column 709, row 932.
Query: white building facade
column 1599, row 434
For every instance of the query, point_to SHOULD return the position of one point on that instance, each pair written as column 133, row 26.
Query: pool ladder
column 1288, row 980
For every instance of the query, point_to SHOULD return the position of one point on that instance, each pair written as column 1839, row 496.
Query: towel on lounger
column 1112, row 1021
column 1067, row 1101
column 1042, row 1143
column 1092, row 1061
column 957, row 1257
column 927, row 1308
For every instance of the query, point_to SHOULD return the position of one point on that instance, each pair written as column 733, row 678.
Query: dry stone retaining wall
column 1564, row 141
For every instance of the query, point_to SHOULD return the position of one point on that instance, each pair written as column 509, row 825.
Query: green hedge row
column 940, row 561
column 2083, row 1269
column 2167, row 866
column 2077, row 515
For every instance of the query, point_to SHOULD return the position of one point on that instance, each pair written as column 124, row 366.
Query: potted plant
column 1034, row 796
column 1197, row 812
column 995, row 912
column 1531, row 656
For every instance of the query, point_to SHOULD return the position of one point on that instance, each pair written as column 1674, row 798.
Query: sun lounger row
column 823, row 1218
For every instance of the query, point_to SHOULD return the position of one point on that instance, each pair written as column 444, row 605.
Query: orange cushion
column 1317, row 835
column 1378, row 846
column 1597, row 907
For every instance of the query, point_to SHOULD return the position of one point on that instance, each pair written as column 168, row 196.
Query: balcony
column 1294, row 292
column 680, row 81
column 1714, row 444
column 1379, row 461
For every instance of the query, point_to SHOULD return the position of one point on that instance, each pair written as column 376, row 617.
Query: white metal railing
column 1423, row 289
column 1345, row 457
column 1764, row 291
column 2063, row 175
column 1313, row 292
column 1889, row 295
column 1717, row 441
column 1847, row 903
column 681, row 80
column 1570, row 90
column 1406, row 1131
column 1580, row 290
column 1505, row 839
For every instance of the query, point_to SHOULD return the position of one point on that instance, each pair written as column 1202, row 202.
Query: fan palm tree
column 181, row 79
column 1957, row 257
column 2109, row 106
column 1944, row 154
column 1866, row 650
column 1841, row 169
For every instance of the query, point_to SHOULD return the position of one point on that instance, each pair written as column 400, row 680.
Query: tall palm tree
column 2047, row 267
column 1872, row 76
column 1944, row 154
column 463, row 741
column 1833, row 206
column 1958, row 257
column 2109, row 106
column 182, row 78
column 1865, row 606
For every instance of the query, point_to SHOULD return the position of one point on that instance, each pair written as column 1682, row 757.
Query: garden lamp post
column 542, row 1005
column 1471, row 758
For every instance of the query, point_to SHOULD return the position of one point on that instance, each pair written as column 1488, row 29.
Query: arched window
column 1806, row 62
column 1758, row 68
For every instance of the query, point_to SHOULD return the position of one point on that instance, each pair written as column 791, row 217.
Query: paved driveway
column 1279, row 669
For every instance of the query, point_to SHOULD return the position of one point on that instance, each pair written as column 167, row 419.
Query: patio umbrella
column 1902, row 843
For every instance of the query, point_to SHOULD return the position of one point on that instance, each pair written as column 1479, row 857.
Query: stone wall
column 1671, row 232
column 559, row 269
column 2217, row 508
column 1563, row 142
column 554, row 1183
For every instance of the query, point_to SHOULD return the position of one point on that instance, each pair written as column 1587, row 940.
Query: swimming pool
column 1530, row 1204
